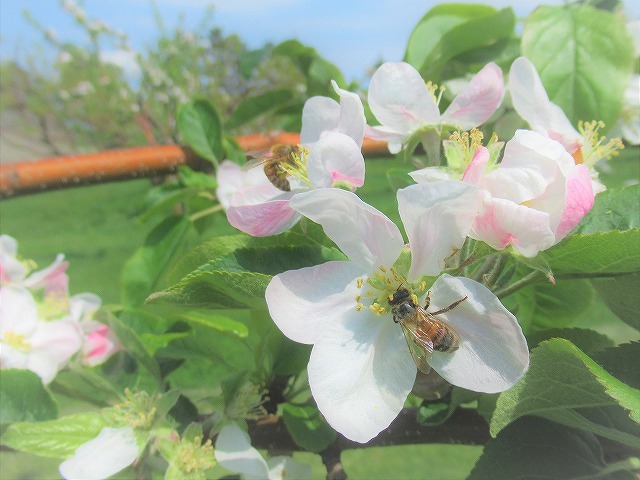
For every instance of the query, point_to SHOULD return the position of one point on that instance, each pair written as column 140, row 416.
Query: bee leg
column 427, row 300
column 450, row 307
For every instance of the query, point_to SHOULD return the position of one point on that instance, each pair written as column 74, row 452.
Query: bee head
column 400, row 295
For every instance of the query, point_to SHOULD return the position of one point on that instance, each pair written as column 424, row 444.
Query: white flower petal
column 319, row 114
column 394, row 139
column 335, row 157
column 399, row 98
column 532, row 103
column 430, row 174
column 286, row 468
column 83, row 306
column 231, row 178
column 363, row 233
column 111, row 451
column 352, row 121
column 437, row 217
column 302, row 301
column 52, row 278
column 12, row 270
column 360, row 373
column 234, row 452
column 18, row 311
column 493, row 353
column 51, row 346
column 531, row 163
column 478, row 101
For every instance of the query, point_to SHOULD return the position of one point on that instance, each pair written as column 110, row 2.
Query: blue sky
column 353, row 34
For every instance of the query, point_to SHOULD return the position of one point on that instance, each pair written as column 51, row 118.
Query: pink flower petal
column 503, row 222
column 264, row 219
column 579, row 200
column 478, row 101
column 475, row 170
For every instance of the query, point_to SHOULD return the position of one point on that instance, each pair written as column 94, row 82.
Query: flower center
column 16, row 340
column 378, row 289
column 137, row 409
column 247, row 402
column 194, row 455
column 295, row 164
column 596, row 147
column 461, row 147
column 435, row 91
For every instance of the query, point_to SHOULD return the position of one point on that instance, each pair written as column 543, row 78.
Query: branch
column 465, row 427
column 125, row 164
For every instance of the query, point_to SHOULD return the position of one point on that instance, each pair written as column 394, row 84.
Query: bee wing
column 254, row 162
column 419, row 348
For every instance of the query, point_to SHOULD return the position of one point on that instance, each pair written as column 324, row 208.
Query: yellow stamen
column 359, row 282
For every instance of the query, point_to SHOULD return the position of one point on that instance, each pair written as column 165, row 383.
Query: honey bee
column 274, row 159
column 423, row 332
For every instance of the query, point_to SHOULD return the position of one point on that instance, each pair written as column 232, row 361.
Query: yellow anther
column 358, row 297
column 382, row 269
column 377, row 309
column 359, row 282
column 369, row 281
column 359, row 307
column 414, row 298
column 422, row 287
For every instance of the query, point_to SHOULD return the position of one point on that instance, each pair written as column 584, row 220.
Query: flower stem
column 533, row 277
column 204, row 213
column 494, row 274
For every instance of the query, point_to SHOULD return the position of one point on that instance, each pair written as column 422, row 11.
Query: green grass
column 95, row 227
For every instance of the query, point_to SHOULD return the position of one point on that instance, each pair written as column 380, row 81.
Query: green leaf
column 621, row 296
column 449, row 30
column 198, row 180
column 564, row 385
column 23, row 398
column 200, row 127
column 584, row 58
column 561, row 304
column 257, row 105
column 436, row 412
column 536, row 448
column 614, row 209
column 143, row 270
column 57, row 438
column 239, row 279
column 132, row 343
column 248, row 61
column 610, row 253
column 622, row 362
column 585, row 339
column 165, row 199
column 221, row 323
column 85, row 384
column 307, row 427
column 319, row 71
column 233, row 151
column 155, row 341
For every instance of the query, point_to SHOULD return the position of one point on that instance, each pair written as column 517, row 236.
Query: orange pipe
column 74, row 170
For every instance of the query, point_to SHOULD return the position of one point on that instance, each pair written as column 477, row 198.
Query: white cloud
column 124, row 59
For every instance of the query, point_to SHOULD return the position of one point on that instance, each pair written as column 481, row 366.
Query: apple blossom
column 628, row 124
column 29, row 342
column 113, row 450
column 360, row 369
column 98, row 341
column 531, row 200
column 234, row 452
column 330, row 156
column 403, row 103
column 532, row 103
column 52, row 279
